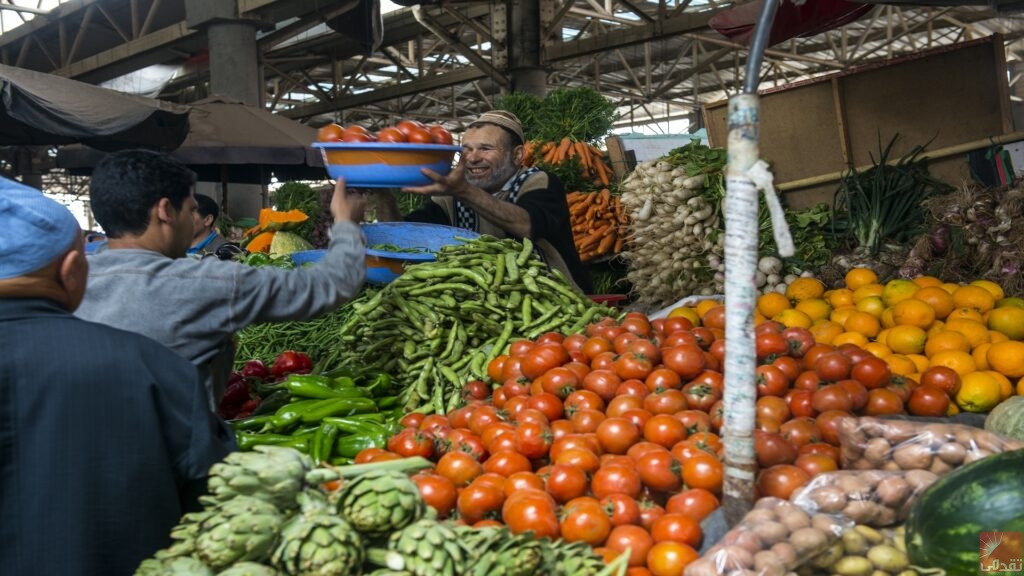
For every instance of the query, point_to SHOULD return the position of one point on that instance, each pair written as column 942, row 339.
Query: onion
column 939, row 238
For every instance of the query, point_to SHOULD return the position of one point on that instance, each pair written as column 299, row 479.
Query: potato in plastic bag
column 871, row 497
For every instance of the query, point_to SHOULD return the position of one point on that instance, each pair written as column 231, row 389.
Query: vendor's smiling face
column 491, row 159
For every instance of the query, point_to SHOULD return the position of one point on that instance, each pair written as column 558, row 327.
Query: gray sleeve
column 271, row 294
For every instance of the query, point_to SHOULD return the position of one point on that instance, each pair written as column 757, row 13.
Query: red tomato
column 675, row 527
column 772, row 449
column 770, row 380
column 585, row 460
column 479, row 501
column 686, row 360
column 633, row 540
column 815, row 351
column 828, row 424
column 565, row 482
column 632, row 365
column 638, row 416
column 616, row 479
column 670, row 558
column 583, row 399
column 459, row 467
column 663, row 378
column 407, row 126
column 801, row 430
column 542, row 358
column 391, row 134
column 440, row 134
column 548, row 404
column 507, row 462
column 815, row 464
column 523, row 480
column 694, row 420
column 356, row 133
column 617, row 434
column 419, row 136
column 799, row 340
column 668, row 401
column 659, row 470
column 704, row 472
column 782, row 480
column 927, row 400
column 622, row 509
column 833, row 366
column 768, row 345
column 533, row 439
column 872, row 372
column 584, row 520
column 700, row 396
column 437, row 491
column 665, row 430
column 773, row 407
column 799, row 402
column 696, row 503
column 330, row 133
column 586, row 420
column 943, row 378
column 858, row 393
column 831, row 397
column 602, row 382
column 531, row 511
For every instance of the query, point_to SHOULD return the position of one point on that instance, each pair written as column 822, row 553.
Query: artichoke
column 496, row 551
column 571, row 559
column 176, row 566
column 424, row 548
column 271, row 473
column 244, row 528
column 381, row 503
column 249, row 569
column 184, row 536
column 318, row 542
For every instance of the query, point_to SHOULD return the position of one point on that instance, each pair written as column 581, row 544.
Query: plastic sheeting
column 45, row 110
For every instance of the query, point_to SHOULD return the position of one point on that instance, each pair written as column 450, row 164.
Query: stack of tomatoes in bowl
column 392, row 157
column 411, row 131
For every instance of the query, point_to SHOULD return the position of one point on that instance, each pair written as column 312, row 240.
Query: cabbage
column 288, row 242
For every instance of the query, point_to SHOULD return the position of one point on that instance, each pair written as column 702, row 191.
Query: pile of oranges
column 915, row 325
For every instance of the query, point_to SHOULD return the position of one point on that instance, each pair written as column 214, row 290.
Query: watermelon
column 945, row 524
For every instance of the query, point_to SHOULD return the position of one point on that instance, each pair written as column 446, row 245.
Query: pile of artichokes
column 267, row 513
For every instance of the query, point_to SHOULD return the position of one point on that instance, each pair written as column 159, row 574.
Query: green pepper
column 300, row 442
column 247, row 440
column 251, row 423
column 257, row 259
column 290, row 414
column 337, row 407
column 323, row 442
column 273, row 402
column 350, row 446
column 315, row 386
column 354, row 425
column 387, row 402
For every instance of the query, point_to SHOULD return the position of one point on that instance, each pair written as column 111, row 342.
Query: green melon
column 945, row 524
column 1007, row 419
column 288, row 242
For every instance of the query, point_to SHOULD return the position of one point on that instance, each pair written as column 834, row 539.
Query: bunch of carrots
column 599, row 224
column 593, row 161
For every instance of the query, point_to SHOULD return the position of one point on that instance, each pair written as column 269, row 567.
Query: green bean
column 511, row 267
column 527, row 250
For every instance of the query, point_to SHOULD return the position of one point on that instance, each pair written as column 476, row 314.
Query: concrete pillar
column 525, row 70
column 235, row 73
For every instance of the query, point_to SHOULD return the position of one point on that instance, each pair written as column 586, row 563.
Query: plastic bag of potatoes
column 864, row 551
column 872, row 497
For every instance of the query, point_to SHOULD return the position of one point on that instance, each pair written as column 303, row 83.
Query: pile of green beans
column 440, row 323
column 317, row 337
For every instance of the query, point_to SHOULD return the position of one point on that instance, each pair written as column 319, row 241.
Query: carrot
column 563, row 149
column 619, row 241
column 606, row 243
column 583, row 154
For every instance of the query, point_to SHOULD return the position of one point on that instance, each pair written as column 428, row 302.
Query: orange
column 825, row 331
column 950, row 287
column 965, row 314
column 873, row 289
column 925, row 281
column 953, row 409
column 920, row 361
column 979, row 392
column 872, row 305
column 1011, row 301
column 913, row 312
column 879, row 349
column 975, row 331
column 772, row 303
column 974, row 297
column 940, row 300
column 958, row 360
column 862, row 322
column 946, row 340
column 886, row 318
column 858, row 277
column 793, row 318
column 906, row 339
column 980, row 355
column 839, row 315
column 1005, row 385
column 1007, row 358
column 805, row 288
column 900, row 364
column 994, row 336
column 995, row 289
column 839, row 297
column 1008, row 320
column 1020, row 387
column 883, row 335
column 818, row 308
column 685, row 312
column 850, row 338
column 703, row 306
column 898, row 290
column 937, row 326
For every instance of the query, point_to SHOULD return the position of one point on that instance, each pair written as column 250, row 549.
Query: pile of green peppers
column 331, row 416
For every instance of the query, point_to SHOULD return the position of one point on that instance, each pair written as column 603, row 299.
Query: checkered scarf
column 465, row 217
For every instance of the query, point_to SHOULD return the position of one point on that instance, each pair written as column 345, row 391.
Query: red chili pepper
column 291, row 362
column 235, row 395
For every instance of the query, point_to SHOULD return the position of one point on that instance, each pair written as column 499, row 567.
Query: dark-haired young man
column 491, row 192
column 143, row 283
column 205, row 239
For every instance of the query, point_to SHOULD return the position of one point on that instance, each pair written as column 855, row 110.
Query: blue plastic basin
column 385, row 164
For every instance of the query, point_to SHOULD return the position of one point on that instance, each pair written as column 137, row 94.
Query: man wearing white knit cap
column 106, row 436
column 491, row 192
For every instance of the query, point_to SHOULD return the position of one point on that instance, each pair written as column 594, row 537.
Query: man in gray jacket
column 142, row 281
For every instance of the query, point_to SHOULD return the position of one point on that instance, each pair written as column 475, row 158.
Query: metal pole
column 740, row 290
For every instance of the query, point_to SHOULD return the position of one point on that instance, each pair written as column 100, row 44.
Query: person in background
column 205, row 239
column 491, row 192
column 106, row 438
column 142, row 282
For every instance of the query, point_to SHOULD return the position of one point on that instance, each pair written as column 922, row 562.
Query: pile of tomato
column 411, row 131
column 611, row 437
